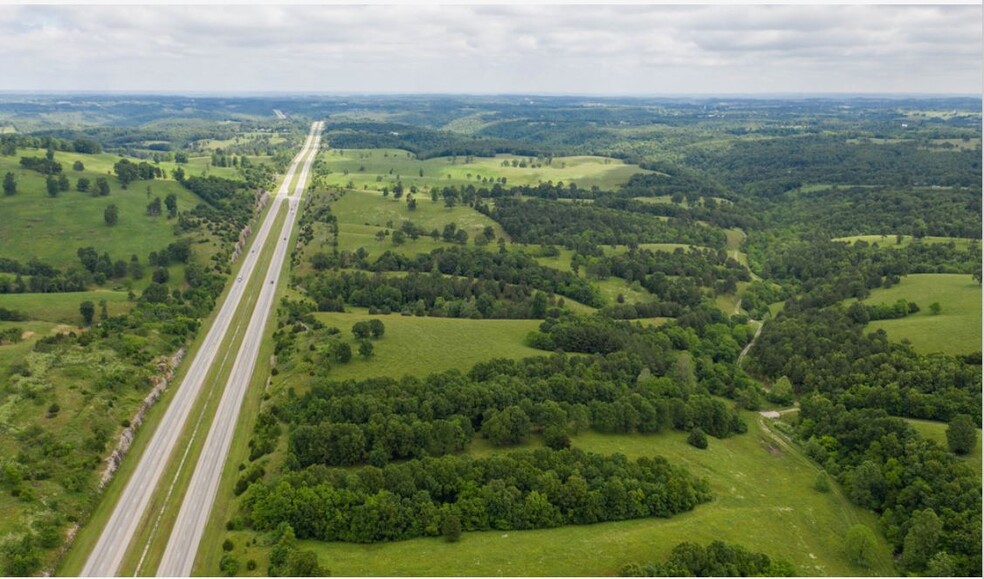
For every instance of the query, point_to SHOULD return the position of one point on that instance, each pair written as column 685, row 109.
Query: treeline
column 826, row 351
column 433, row 496
column 423, row 142
column 44, row 165
column 673, row 179
column 717, row 559
column 96, row 269
column 740, row 213
column 383, row 419
column 675, row 276
column 845, row 211
column 10, row 142
column 538, row 221
column 228, row 206
column 759, row 166
column 128, row 171
column 825, row 272
column 505, row 267
column 929, row 501
column 427, row 294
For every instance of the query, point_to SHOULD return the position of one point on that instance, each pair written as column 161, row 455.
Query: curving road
column 107, row 555
column 179, row 556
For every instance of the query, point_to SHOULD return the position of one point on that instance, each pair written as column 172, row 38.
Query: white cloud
column 493, row 49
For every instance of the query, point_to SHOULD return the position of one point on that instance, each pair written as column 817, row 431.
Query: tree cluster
column 929, row 501
column 717, row 559
column 519, row 490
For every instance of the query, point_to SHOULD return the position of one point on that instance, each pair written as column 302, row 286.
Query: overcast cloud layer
column 493, row 49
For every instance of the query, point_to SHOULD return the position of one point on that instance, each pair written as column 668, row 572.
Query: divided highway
column 179, row 556
column 113, row 543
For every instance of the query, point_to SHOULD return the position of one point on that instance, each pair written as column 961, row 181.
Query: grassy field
column 378, row 168
column 937, row 431
column 764, row 501
column 907, row 240
column 423, row 345
column 63, row 308
column 362, row 214
column 956, row 330
column 35, row 225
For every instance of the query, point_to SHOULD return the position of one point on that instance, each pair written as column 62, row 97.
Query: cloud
column 493, row 49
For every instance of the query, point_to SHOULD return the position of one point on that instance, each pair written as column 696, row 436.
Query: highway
column 179, row 556
column 114, row 541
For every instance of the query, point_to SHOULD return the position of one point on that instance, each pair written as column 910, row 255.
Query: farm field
column 378, row 168
column 361, row 214
column 764, row 500
column 422, row 345
column 63, row 308
column 907, row 240
column 52, row 229
column 956, row 330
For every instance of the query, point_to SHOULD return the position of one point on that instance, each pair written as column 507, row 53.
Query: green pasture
column 764, row 500
column 361, row 215
column 378, row 168
column 955, row 330
column 893, row 241
column 63, row 308
column 35, row 225
column 422, row 345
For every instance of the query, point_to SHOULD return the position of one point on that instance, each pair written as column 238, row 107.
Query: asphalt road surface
column 179, row 556
column 107, row 555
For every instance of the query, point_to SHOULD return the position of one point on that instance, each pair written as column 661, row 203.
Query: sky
column 487, row 49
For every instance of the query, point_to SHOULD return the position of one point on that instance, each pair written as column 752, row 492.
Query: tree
column 920, row 541
column 861, row 544
column 343, row 352
column 361, row 330
column 782, row 392
column 510, row 426
column 63, row 183
column 942, row 564
column 961, row 435
column 52, row 185
column 451, row 528
column 555, row 437
column 111, row 215
column 376, row 328
column 88, row 310
column 935, row 308
column 171, row 202
column 9, row 184
column 365, row 349
column 697, row 438
column 102, row 186
column 78, row 166
column 154, row 207
column 82, row 185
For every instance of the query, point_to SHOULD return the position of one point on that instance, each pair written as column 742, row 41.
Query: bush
column 822, row 483
column 451, row 529
column 961, row 435
column 227, row 545
column 861, row 544
column 229, row 565
column 697, row 439
column 555, row 437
